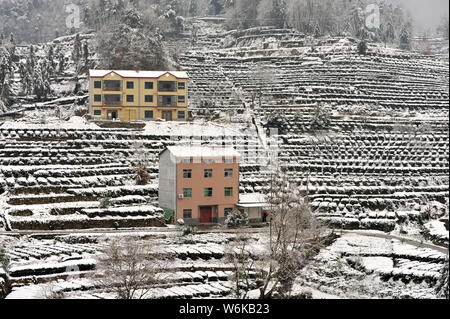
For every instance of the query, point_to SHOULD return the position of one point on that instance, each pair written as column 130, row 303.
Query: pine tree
column 61, row 65
column 362, row 47
column 6, row 74
column 51, row 60
column 86, row 53
column 405, row 41
column 76, row 52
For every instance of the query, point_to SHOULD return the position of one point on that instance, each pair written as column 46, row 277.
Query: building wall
column 167, row 182
column 131, row 111
column 198, row 182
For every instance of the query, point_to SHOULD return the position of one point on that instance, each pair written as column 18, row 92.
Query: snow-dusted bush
column 362, row 47
column 321, row 118
column 189, row 230
column 236, row 219
column 105, row 203
column 442, row 287
column 142, row 176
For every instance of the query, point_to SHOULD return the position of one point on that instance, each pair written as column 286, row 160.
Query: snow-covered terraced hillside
column 358, row 266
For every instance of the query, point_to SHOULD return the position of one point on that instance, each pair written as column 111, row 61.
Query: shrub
column 142, row 176
column 321, row 118
column 362, row 47
column 236, row 219
column 105, row 203
column 277, row 120
column 442, row 287
column 189, row 230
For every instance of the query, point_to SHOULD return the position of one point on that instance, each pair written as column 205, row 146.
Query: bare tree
column 130, row 268
column 5, row 262
column 295, row 237
column 141, row 160
column 243, row 263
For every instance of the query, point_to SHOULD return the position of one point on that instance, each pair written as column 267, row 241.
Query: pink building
column 199, row 184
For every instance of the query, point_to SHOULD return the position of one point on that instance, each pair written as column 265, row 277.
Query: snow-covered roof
column 255, row 198
column 138, row 74
column 203, row 151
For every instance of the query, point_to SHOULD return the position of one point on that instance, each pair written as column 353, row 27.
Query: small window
column 229, row 160
column 187, row 173
column 149, row 85
column 97, row 112
column 97, row 98
column 208, row 173
column 181, row 115
column 149, row 99
column 207, row 160
column 130, row 85
column 227, row 211
column 187, row 213
column 228, row 172
column 130, row 98
column 181, row 99
column 228, row 191
column 181, row 86
column 187, row 160
column 148, row 114
column 97, row 84
column 208, row 192
column 187, row 192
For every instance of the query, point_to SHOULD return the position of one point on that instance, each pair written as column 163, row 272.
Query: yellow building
column 138, row 95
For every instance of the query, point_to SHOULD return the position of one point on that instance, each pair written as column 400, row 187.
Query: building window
column 208, row 173
column 181, row 86
column 208, row 192
column 187, row 213
column 187, row 173
column 229, row 160
column 97, row 84
column 187, row 160
column 148, row 114
column 228, row 172
column 130, row 98
column 207, row 160
column 130, row 85
column 227, row 211
column 187, row 192
column 97, row 98
column 97, row 112
column 149, row 85
column 149, row 99
column 181, row 115
column 181, row 99
column 228, row 191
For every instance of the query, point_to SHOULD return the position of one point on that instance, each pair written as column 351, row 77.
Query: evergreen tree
column 6, row 74
column 405, row 38
column 86, row 53
column 41, row 81
column 51, row 60
column 61, row 63
column 362, row 47
column 76, row 52
column 130, row 44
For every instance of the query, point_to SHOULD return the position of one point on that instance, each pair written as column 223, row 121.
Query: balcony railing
column 113, row 89
column 112, row 103
column 174, row 104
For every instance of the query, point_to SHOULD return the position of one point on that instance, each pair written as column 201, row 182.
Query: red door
column 205, row 215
